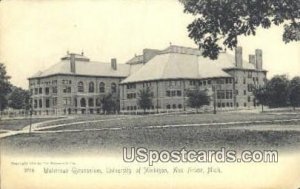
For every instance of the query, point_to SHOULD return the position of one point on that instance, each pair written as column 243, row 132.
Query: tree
column 294, row 95
column 19, row 98
column 4, row 86
column 145, row 99
column 109, row 103
column 224, row 20
column 278, row 91
column 262, row 96
column 197, row 99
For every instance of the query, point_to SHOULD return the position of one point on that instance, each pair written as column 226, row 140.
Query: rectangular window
column 179, row 93
column 67, row 101
column 221, row 94
column 40, row 90
column 67, row 89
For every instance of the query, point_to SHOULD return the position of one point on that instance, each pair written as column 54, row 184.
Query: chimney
column 72, row 63
column 239, row 57
column 252, row 59
column 258, row 56
column 114, row 64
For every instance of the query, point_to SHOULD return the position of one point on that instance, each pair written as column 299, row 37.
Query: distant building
column 76, row 85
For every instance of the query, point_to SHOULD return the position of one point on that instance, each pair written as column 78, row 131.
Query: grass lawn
column 153, row 120
column 112, row 141
column 18, row 124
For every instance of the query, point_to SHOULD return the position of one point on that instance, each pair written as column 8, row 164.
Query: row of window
column 91, row 87
column 170, row 93
column 53, row 82
column 224, row 94
column 131, row 95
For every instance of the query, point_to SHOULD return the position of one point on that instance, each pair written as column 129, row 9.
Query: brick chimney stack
column 114, row 63
column 72, row 63
column 239, row 57
column 258, row 56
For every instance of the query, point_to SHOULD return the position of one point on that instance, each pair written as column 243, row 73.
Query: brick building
column 76, row 85
column 171, row 72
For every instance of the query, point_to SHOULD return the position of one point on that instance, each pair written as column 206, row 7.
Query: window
column 236, row 92
column 131, row 86
column 168, row 93
column 67, row 89
column 236, row 80
column 173, row 93
column 179, row 93
column 47, row 103
column 245, row 104
column 249, row 99
column 245, row 92
column 221, row 94
column 67, row 101
column 40, row 103
column 80, row 86
column 174, row 106
column 228, row 94
column 91, row 102
column 168, row 106
column 237, row 104
column 35, row 103
column 204, row 83
column 244, row 80
column 40, row 90
column 47, row 90
column 82, row 102
column 54, row 89
column 36, row 91
column 91, row 87
column 98, row 102
column 54, row 101
column 179, row 106
column 102, row 87
column 209, row 82
column 131, row 95
column 113, row 88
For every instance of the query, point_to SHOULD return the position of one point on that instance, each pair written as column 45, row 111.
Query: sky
column 36, row 34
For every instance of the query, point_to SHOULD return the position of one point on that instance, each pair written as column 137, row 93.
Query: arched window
column 91, row 87
column 113, row 88
column 80, row 86
column 98, row 102
column 82, row 102
column 102, row 87
column 91, row 102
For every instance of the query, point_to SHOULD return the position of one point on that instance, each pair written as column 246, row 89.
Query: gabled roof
column 86, row 68
column 172, row 65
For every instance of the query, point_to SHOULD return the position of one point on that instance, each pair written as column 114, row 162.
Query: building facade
column 170, row 73
column 76, row 85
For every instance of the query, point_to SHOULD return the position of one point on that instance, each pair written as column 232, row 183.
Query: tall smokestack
column 114, row 64
column 252, row 59
column 72, row 63
column 239, row 57
column 258, row 56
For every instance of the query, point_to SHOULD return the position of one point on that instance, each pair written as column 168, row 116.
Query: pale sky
column 36, row 34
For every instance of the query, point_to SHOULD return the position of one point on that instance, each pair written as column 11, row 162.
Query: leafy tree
column 197, row 99
column 278, row 90
column 4, row 86
column 224, row 20
column 262, row 96
column 294, row 95
column 110, row 103
column 19, row 98
column 145, row 98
